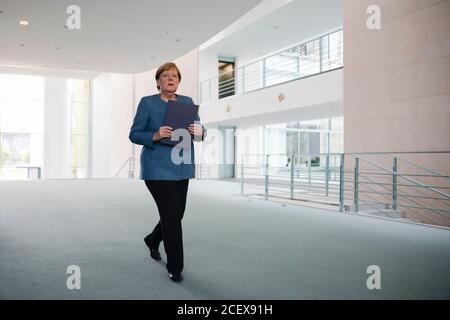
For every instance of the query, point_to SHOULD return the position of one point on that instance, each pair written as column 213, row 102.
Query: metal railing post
column 242, row 175
column 309, row 172
column 264, row 74
column 320, row 54
column 334, row 168
column 210, row 90
column 243, row 79
column 341, row 184
column 327, row 175
column 292, row 177
column 355, row 192
column 394, row 185
column 266, row 180
column 131, row 167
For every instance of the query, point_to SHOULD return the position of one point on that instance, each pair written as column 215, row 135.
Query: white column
column 112, row 119
column 56, row 158
column 226, row 152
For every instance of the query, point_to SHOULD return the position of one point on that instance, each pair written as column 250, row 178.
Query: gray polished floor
column 235, row 248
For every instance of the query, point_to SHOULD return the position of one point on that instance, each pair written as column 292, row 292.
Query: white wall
column 208, row 65
column 112, row 111
column 145, row 83
column 56, row 157
column 397, row 85
column 325, row 90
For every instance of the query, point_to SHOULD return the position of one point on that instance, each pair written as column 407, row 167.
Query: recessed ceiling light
column 24, row 22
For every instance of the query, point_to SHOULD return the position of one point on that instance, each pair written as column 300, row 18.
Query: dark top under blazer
column 156, row 163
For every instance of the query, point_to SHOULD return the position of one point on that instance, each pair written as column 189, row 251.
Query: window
column 300, row 138
column 226, row 78
column 21, row 124
column 80, row 128
column 15, row 149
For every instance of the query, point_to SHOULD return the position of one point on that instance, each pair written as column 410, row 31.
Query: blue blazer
column 156, row 162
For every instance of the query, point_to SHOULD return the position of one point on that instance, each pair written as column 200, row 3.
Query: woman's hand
column 196, row 129
column 163, row 132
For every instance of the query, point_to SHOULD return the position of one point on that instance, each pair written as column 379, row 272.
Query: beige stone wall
column 396, row 80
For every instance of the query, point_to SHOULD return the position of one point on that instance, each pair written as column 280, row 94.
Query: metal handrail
column 423, row 168
column 400, row 175
column 131, row 168
column 120, row 169
column 432, row 208
column 306, row 60
column 396, row 195
column 282, row 173
column 288, row 176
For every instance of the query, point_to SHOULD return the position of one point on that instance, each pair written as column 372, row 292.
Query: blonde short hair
column 165, row 67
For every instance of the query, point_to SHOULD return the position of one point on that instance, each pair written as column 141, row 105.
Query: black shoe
column 176, row 277
column 154, row 252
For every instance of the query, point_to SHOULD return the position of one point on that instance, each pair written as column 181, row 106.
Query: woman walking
column 167, row 181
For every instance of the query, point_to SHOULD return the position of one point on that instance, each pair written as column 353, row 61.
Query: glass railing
column 313, row 57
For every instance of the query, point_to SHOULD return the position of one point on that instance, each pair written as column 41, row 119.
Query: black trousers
column 170, row 198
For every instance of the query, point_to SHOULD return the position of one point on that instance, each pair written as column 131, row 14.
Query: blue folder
column 179, row 115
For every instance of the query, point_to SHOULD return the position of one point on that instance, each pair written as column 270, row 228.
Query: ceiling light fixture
column 24, row 22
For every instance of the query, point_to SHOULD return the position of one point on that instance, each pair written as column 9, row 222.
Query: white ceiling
column 116, row 36
column 289, row 24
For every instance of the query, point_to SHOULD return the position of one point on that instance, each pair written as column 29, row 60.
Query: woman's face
column 168, row 81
